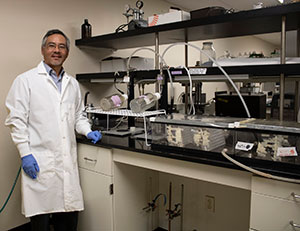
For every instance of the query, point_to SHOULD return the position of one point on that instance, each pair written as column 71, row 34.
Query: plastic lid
column 157, row 95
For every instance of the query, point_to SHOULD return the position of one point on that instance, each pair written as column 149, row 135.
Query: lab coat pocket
column 45, row 161
column 71, row 111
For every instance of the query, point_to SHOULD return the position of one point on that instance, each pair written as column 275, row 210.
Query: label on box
column 198, row 71
column 244, row 146
column 126, row 79
column 287, row 151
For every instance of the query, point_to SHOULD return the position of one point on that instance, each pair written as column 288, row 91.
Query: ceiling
column 237, row 5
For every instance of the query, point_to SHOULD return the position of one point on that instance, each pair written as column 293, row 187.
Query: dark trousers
column 61, row 221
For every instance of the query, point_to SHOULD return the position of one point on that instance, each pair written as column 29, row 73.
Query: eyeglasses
column 52, row 46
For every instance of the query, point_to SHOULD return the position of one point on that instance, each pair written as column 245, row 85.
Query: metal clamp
column 90, row 160
column 296, row 196
column 294, row 224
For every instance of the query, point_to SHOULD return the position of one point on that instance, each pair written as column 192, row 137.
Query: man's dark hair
column 52, row 32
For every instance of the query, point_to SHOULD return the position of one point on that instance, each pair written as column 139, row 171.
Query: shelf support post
column 156, row 61
column 296, row 107
column 156, row 56
column 282, row 61
column 186, row 64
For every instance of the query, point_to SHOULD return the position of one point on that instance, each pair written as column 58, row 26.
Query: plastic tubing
column 162, row 59
column 263, row 174
column 191, row 91
column 218, row 65
column 11, row 191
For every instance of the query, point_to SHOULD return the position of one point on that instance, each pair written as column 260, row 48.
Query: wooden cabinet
column 95, row 169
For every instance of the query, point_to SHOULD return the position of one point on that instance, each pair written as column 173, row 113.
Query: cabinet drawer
column 273, row 214
column 95, row 159
column 275, row 188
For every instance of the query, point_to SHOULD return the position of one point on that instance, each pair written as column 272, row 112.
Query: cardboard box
column 113, row 64
column 173, row 16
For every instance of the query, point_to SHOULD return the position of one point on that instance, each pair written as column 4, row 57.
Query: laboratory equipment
column 208, row 12
column 144, row 102
column 209, row 50
column 230, row 105
column 275, row 141
column 113, row 101
column 86, row 29
column 137, row 14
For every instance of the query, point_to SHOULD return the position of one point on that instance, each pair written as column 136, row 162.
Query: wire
column 162, row 59
column 121, row 28
column 218, row 65
column 115, row 81
column 256, row 171
column 191, row 92
column 11, row 191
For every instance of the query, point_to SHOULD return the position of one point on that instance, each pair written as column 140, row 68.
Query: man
column 44, row 110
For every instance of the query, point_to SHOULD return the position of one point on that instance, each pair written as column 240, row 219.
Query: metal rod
column 170, row 205
column 156, row 63
column 296, row 196
column 186, row 50
column 282, row 61
column 186, row 98
column 297, row 92
column 294, row 224
column 107, row 122
column 181, row 207
column 186, row 64
column 150, row 198
column 156, row 56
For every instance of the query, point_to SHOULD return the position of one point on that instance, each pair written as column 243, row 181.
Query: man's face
column 55, row 50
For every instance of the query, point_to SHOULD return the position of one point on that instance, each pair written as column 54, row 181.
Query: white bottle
column 210, row 50
column 113, row 101
column 144, row 102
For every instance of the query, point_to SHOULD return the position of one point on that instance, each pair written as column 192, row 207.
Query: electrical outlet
column 209, row 203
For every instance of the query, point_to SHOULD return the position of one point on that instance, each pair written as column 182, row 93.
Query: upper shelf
column 237, row 73
column 251, row 22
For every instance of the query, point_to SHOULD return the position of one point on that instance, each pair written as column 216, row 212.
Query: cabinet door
column 97, row 215
column 273, row 213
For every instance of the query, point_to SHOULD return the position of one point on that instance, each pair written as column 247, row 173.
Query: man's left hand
column 95, row 136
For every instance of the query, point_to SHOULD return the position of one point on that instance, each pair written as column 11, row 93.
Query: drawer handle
column 295, row 195
column 294, row 225
column 90, row 160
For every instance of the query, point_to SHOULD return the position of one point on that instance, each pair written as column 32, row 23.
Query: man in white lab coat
column 44, row 110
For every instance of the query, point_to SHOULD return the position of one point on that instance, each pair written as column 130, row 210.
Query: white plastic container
column 144, row 102
column 113, row 101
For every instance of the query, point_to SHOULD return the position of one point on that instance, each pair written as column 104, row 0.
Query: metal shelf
column 268, row 72
column 125, row 112
column 250, row 22
column 129, row 113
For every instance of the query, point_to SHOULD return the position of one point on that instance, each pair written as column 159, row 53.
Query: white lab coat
column 43, row 123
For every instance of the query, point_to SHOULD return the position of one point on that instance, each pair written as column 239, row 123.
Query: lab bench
column 130, row 174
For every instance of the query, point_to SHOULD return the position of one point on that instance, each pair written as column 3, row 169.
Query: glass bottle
column 144, row 102
column 208, row 49
column 86, row 29
column 113, row 101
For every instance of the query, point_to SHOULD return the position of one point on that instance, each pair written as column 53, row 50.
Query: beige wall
column 23, row 23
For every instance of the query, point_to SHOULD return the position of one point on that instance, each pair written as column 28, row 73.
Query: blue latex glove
column 95, row 136
column 30, row 166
